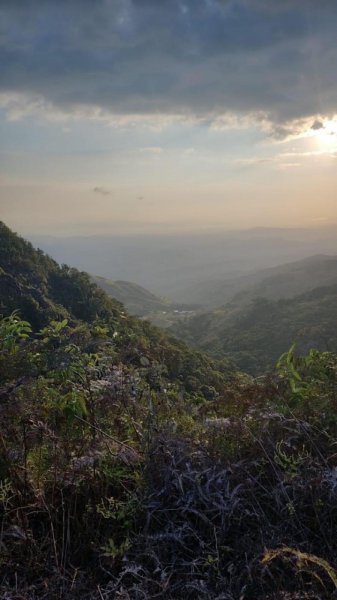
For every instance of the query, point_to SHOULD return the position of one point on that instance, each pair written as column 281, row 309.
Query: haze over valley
column 219, row 293
column 190, row 268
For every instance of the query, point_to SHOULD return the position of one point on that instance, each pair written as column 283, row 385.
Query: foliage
column 302, row 557
column 254, row 336
column 136, row 299
column 151, row 492
column 134, row 467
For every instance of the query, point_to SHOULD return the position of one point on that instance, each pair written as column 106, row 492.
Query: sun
column 326, row 135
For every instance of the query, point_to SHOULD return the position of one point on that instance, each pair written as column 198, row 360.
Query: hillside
column 291, row 279
column 134, row 467
column 283, row 281
column 136, row 299
column 256, row 334
column 142, row 303
column 36, row 286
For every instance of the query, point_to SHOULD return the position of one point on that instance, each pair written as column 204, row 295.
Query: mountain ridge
column 41, row 291
column 256, row 333
column 168, row 264
column 216, row 293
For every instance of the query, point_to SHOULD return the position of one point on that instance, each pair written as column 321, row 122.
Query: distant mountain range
column 265, row 312
column 284, row 281
column 189, row 268
column 251, row 318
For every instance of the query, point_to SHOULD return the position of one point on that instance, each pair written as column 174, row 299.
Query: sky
column 154, row 116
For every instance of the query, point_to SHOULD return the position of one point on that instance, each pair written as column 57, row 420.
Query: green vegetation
column 139, row 301
column 136, row 299
column 284, row 281
column 289, row 280
column 134, row 467
column 254, row 336
column 41, row 291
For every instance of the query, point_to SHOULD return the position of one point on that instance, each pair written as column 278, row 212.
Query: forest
column 132, row 466
column 254, row 335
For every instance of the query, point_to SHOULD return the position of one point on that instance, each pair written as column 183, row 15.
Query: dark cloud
column 102, row 190
column 195, row 57
column 317, row 124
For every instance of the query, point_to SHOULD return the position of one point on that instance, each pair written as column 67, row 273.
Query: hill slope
column 41, row 290
column 257, row 334
column 136, row 299
column 142, row 303
column 283, row 281
column 291, row 279
column 133, row 467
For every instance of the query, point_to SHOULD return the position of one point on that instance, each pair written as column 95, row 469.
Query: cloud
column 289, row 165
column 155, row 150
column 137, row 61
column 321, row 220
column 188, row 152
column 252, row 162
column 317, row 125
column 102, row 190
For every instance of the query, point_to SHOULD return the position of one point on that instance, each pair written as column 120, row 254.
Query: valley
column 122, row 445
column 142, row 303
column 256, row 316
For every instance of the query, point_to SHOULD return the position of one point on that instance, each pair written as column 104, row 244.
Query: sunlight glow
column 326, row 135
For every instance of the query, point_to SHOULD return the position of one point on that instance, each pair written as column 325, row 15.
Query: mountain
column 282, row 281
column 134, row 467
column 142, row 303
column 255, row 334
column 41, row 291
column 290, row 279
column 177, row 266
column 136, row 299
